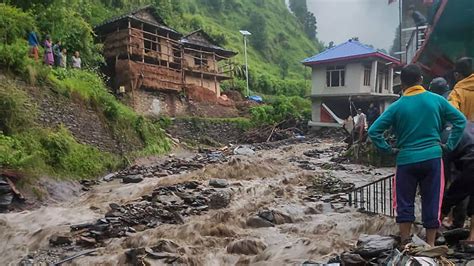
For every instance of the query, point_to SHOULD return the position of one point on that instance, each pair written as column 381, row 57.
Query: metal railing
column 417, row 38
column 375, row 197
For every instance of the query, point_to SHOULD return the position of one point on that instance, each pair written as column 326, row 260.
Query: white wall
column 353, row 82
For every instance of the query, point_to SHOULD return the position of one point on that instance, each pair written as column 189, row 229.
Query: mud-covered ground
column 306, row 224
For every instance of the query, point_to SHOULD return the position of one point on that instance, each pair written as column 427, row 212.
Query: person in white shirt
column 76, row 60
column 360, row 124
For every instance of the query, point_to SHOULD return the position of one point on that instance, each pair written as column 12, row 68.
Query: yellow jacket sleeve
column 455, row 99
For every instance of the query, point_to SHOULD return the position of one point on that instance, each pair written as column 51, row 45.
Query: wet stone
column 258, row 222
column 371, row 246
column 218, row 183
column 86, row 241
column 57, row 240
column 275, row 217
column 219, row 200
column 132, row 179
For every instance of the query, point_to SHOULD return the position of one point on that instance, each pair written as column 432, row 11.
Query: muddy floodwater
column 303, row 224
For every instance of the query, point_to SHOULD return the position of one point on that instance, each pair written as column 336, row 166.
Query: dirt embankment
column 206, row 131
column 271, row 216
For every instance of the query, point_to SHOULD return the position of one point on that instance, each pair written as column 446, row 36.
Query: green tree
column 258, row 27
column 309, row 25
column 300, row 9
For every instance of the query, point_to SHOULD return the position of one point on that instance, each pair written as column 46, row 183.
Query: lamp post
column 245, row 34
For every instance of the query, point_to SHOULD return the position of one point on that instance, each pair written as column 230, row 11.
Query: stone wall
column 155, row 103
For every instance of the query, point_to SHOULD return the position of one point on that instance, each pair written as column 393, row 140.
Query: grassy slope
column 228, row 22
column 278, row 19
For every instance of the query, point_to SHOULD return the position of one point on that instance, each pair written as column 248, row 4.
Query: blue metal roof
column 349, row 49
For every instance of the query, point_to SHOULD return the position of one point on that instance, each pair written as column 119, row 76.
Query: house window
column 382, row 81
column 151, row 43
column 367, row 72
column 200, row 61
column 336, row 76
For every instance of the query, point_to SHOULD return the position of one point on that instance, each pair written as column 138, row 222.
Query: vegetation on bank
column 274, row 70
column 29, row 147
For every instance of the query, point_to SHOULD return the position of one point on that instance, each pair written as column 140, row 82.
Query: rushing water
column 270, row 179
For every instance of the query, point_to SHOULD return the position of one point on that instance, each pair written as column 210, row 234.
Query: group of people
column 54, row 54
column 435, row 139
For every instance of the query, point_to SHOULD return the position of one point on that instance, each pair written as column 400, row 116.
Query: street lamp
column 246, row 33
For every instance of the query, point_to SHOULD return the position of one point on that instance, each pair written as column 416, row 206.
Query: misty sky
column 373, row 21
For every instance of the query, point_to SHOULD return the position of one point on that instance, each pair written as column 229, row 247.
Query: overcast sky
column 373, row 21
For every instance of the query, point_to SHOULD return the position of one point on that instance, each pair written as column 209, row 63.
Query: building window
column 201, row 61
column 336, row 76
column 367, row 72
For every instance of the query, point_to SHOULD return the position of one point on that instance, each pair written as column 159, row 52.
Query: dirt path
column 311, row 230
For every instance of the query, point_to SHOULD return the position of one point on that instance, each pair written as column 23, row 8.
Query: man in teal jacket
column 417, row 119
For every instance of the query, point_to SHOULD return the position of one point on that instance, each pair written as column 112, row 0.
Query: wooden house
column 205, row 63
column 150, row 64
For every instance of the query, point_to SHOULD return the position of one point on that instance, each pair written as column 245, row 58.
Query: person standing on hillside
column 57, row 54
column 417, row 120
column 48, row 51
column 462, row 96
column 33, row 43
column 76, row 60
column 63, row 58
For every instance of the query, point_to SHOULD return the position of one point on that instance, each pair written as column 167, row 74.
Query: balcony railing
column 417, row 38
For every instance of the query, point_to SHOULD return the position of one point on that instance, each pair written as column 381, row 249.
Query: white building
column 347, row 77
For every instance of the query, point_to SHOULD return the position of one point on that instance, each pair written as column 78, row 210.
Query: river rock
column 132, row 179
column 258, row 222
column 86, row 241
column 6, row 194
column 57, row 240
column 219, row 200
column 218, row 183
column 244, row 150
column 246, row 247
column 453, row 237
column 371, row 246
column 275, row 217
column 353, row 260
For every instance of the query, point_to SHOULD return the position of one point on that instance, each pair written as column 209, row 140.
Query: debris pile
column 166, row 205
column 165, row 251
column 272, row 133
column 172, row 166
column 326, row 183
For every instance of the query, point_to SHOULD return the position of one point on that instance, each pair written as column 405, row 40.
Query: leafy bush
column 13, row 154
column 14, row 57
column 14, row 24
column 17, row 113
column 55, row 153
column 281, row 108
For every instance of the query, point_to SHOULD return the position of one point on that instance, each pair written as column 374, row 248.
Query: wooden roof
column 146, row 14
column 199, row 39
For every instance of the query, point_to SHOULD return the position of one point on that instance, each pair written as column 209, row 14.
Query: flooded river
column 271, row 181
